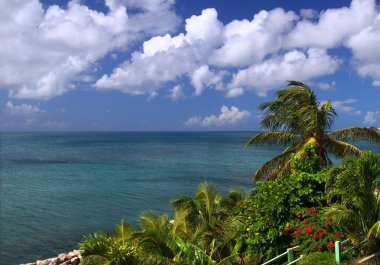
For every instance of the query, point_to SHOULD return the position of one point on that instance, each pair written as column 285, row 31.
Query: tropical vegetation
column 297, row 118
column 309, row 203
column 354, row 198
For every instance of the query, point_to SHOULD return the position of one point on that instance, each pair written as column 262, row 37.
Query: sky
column 181, row 65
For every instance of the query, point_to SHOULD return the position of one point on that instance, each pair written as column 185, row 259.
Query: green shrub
column 273, row 206
column 318, row 258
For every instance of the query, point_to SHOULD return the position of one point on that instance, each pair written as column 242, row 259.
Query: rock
column 73, row 254
column 62, row 257
column 72, row 258
column 75, row 261
column 54, row 261
column 43, row 262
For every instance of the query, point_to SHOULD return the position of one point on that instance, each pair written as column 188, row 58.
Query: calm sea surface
column 56, row 187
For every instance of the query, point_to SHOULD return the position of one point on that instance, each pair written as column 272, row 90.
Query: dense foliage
column 203, row 231
column 353, row 193
column 274, row 206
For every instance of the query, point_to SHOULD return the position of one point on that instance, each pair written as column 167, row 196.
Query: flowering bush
column 314, row 232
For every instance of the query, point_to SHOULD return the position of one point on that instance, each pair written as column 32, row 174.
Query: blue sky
column 166, row 65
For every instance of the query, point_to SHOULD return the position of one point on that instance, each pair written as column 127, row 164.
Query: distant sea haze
column 57, row 187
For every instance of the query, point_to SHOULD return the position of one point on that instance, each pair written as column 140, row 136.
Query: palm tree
column 154, row 239
column 353, row 191
column 298, row 119
column 115, row 249
column 206, row 221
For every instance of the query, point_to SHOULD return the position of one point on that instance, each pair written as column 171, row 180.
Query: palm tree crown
column 297, row 118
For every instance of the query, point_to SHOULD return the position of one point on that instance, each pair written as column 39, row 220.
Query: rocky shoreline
column 71, row 258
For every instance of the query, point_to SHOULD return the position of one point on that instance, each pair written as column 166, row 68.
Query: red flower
column 299, row 216
column 331, row 244
column 309, row 229
column 315, row 236
column 296, row 233
column 321, row 234
column 320, row 229
column 311, row 211
column 319, row 247
column 327, row 223
column 338, row 235
column 305, row 221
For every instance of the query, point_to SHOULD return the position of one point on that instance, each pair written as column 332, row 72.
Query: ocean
column 57, row 187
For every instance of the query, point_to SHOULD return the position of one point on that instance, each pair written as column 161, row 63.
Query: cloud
column 235, row 92
column 22, row 109
column 341, row 106
column 247, row 42
column 226, row 117
column 308, row 13
column 326, row 86
column 55, row 125
column 164, row 59
column 47, row 50
column 176, row 93
column 204, row 77
column 293, row 65
column 205, row 55
column 333, row 27
column 371, row 117
column 365, row 49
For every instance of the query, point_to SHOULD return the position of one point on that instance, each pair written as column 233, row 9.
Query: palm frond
column 270, row 138
column 341, row 149
column 375, row 230
column 193, row 253
column 355, row 134
column 307, row 118
column 273, row 167
column 96, row 244
column 326, row 116
column 209, row 204
column 347, row 219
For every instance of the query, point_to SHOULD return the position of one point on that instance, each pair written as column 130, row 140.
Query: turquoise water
column 56, row 187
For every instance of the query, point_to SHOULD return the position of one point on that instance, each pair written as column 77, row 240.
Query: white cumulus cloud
column 333, row 27
column 247, row 42
column 226, row 117
column 164, row 59
column 176, row 93
column 204, row 77
column 43, row 52
column 365, row 47
column 371, row 117
column 293, row 65
column 48, row 51
column 22, row 109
